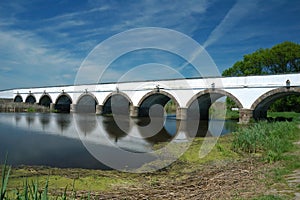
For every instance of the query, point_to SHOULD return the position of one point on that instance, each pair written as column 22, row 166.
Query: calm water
column 60, row 140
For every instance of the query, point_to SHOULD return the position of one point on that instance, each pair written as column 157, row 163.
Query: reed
column 4, row 179
column 271, row 140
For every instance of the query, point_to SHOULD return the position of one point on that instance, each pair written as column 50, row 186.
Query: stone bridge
column 252, row 94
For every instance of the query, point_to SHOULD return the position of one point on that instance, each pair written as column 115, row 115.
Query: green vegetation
column 232, row 114
column 273, row 143
column 31, row 109
column 295, row 116
column 280, row 59
column 271, row 140
column 286, row 104
column 22, row 107
column 4, row 180
column 268, row 197
column 170, row 107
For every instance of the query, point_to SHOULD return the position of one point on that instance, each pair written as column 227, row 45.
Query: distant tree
column 280, row 59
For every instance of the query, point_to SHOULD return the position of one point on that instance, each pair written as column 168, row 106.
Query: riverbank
column 226, row 173
column 7, row 106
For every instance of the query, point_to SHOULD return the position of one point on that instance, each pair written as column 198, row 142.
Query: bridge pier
column 133, row 111
column 99, row 109
column 73, row 108
column 52, row 106
column 181, row 113
column 245, row 116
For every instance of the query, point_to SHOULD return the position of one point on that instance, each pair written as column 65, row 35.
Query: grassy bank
column 250, row 163
column 22, row 107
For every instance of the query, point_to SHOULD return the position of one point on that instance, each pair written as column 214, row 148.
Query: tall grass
column 30, row 191
column 271, row 140
column 4, row 179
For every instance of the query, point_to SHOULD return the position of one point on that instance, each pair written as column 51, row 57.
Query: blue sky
column 44, row 42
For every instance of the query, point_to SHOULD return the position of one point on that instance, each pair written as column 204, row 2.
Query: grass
column 271, row 140
column 58, row 184
column 4, row 180
column 268, row 197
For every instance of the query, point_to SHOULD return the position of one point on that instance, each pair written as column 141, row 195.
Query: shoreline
column 12, row 107
column 222, row 174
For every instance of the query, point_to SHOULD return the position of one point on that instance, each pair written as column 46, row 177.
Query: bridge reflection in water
column 55, row 139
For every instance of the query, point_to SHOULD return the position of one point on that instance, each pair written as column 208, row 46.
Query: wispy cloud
column 235, row 15
column 72, row 15
column 32, row 57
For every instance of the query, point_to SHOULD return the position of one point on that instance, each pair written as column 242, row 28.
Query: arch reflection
column 87, row 123
column 44, row 120
column 112, row 128
column 63, row 121
column 30, row 118
column 161, row 136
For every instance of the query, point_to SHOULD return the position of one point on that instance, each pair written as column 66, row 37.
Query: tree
column 280, row 59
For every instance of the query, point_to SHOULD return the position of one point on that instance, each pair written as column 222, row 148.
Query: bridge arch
column 86, row 103
column 45, row 100
column 18, row 98
column 30, row 99
column 63, row 102
column 262, row 104
column 215, row 94
column 200, row 103
column 123, row 106
column 155, row 97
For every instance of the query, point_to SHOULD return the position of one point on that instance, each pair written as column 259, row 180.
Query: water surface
column 60, row 140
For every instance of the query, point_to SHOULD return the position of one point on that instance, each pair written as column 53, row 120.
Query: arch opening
column 63, row 103
column 30, row 99
column 45, row 101
column 210, row 104
column 86, row 104
column 18, row 99
column 286, row 100
column 116, row 104
column 167, row 101
column 208, row 109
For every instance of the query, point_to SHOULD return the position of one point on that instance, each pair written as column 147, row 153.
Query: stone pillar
column 133, row 111
column 99, row 109
column 245, row 115
column 181, row 113
column 52, row 106
column 73, row 108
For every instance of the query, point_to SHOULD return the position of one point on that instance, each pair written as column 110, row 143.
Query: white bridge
column 252, row 94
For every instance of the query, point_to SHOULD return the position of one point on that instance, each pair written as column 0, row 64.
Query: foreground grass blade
column 4, row 178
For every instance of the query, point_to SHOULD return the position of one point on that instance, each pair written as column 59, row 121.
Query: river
column 66, row 140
